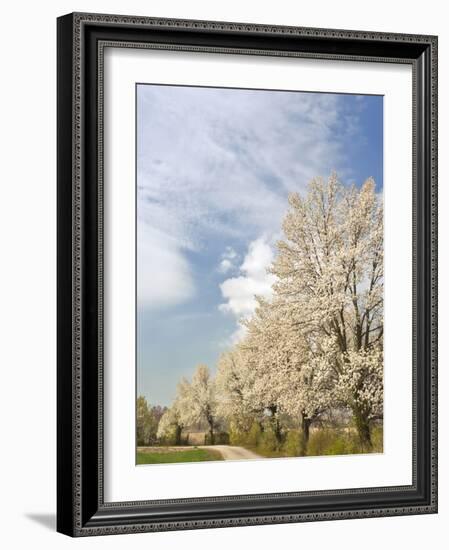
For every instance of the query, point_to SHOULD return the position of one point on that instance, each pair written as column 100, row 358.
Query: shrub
column 220, row 438
column 235, row 436
column 291, row 445
column 254, row 435
column 342, row 444
column 327, row 441
column 250, row 438
column 320, row 441
column 268, row 441
column 377, row 439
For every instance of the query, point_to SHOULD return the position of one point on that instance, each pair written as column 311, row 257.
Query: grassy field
column 193, row 455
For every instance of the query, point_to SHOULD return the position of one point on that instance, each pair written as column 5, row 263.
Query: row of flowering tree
column 316, row 345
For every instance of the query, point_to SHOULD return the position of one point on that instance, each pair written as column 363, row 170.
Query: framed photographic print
column 246, row 274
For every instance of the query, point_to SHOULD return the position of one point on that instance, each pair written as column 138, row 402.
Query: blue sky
column 214, row 169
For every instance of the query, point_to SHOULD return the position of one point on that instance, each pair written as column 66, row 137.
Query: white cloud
column 239, row 292
column 234, row 338
column 164, row 277
column 229, row 253
column 228, row 259
column 225, row 266
column 258, row 260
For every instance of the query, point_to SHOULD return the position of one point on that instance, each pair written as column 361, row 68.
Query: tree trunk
column 363, row 428
column 276, row 426
column 278, row 431
column 305, row 434
column 178, row 435
column 211, row 432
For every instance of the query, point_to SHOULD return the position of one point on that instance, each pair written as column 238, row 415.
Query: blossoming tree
column 316, row 344
column 329, row 272
column 171, row 424
column 197, row 400
column 289, row 378
column 235, row 382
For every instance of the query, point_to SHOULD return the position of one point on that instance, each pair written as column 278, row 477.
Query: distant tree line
column 147, row 421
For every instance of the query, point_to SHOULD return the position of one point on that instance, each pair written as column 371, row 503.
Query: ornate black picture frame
column 81, row 510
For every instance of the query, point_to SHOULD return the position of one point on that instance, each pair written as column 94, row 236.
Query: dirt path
column 229, row 452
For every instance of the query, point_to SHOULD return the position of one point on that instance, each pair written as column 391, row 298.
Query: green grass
column 194, row 455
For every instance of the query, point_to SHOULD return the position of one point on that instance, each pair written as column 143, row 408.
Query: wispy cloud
column 219, row 162
column 208, row 155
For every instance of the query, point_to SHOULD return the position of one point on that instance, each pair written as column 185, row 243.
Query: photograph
column 247, row 274
column 259, row 274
